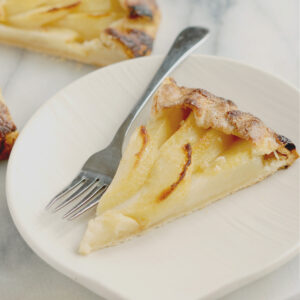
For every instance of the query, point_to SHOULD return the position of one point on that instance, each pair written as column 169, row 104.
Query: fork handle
column 186, row 42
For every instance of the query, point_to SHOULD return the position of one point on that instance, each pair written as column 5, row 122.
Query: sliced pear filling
column 173, row 166
column 154, row 181
column 138, row 159
column 42, row 15
column 15, row 7
column 209, row 147
column 86, row 18
column 86, row 24
column 97, row 32
column 170, row 176
column 163, row 179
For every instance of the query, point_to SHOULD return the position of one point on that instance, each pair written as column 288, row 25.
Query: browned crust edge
column 136, row 34
column 8, row 131
column 135, row 42
column 215, row 112
column 141, row 9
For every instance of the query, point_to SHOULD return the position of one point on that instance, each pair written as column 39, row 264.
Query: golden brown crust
column 137, row 31
column 8, row 133
column 141, row 9
column 135, row 42
column 221, row 114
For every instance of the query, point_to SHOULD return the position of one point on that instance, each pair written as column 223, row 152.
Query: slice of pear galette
column 195, row 149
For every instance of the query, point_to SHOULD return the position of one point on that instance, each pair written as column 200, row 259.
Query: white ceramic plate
column 204, row 255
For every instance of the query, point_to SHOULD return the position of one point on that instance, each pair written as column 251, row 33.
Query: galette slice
column 8, row 131
column 196, row 148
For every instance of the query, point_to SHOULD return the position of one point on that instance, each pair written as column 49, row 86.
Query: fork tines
column 86, row 187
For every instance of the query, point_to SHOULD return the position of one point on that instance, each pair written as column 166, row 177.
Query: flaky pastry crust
column 215, row 112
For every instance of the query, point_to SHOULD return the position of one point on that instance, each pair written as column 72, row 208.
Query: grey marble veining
column 264, row 33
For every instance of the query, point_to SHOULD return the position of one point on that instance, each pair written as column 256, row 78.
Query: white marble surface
column 264, row 33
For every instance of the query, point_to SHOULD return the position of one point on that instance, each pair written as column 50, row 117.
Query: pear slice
column 43, row 15
column 209, row 147
column 88, row 25
column 13, row 7
column 92, row 6
column 170, row 177
column 137, row 161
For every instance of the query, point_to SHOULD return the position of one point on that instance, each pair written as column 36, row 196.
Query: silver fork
column 99, row 170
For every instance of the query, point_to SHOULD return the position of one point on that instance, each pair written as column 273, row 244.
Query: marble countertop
column 263, row 33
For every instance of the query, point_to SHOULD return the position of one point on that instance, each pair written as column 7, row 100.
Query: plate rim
column 64, row 269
